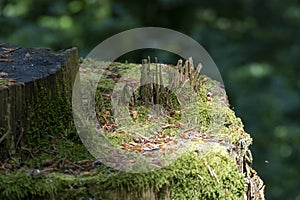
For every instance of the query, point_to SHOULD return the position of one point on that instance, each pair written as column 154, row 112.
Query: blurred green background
column 255, row 44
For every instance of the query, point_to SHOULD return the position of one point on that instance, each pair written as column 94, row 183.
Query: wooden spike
column 160, row 76
column 145, row 89
column 180, row 69
column 156, row 85
column 195, row 79
column 186, row 70
column 191, row 67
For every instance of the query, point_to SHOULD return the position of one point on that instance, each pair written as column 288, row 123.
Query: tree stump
column 42, row 159
column 35, row 94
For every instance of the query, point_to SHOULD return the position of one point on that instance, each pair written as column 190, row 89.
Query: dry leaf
column 134, row 114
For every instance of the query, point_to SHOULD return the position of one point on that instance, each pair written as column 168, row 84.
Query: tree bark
column 32, row 79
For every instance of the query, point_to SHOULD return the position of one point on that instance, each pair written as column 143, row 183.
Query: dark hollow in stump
column 32, row 82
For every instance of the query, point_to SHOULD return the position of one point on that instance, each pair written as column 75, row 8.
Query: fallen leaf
column 134, row 114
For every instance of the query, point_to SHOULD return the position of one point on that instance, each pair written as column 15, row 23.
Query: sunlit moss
column 214, row 176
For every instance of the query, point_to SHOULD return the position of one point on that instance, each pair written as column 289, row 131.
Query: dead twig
column 74, row 164
column 3, row 55
column 9, row 50
column 28, row 150
column 211, row 171
column 20, row 137
column 6, row 60
column 4, row 136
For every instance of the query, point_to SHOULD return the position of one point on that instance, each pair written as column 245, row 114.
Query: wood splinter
column 6, row 60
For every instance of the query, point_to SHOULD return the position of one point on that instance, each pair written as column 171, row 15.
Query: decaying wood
column 157, row 93
column 145, row 89
column 21, row 96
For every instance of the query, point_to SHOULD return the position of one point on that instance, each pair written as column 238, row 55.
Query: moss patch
column 214, row 176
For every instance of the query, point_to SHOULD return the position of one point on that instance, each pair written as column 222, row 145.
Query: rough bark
column 31, row 77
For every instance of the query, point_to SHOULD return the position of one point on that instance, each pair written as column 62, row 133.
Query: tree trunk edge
column 21, row 101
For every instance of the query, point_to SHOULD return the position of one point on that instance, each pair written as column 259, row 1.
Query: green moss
column 218, row 116
column 61, row 149
column 118, row 139
column 214, row 176
column 50, row 114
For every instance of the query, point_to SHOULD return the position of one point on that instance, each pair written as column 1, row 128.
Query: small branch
column 3, row 55
column 20, row 137
column 4, row 136
column 6, row 60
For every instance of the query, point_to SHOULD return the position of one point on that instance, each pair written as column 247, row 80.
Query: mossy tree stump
column 42, row 158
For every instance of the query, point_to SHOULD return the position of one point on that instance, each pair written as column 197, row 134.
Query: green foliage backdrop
column 256, row 45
